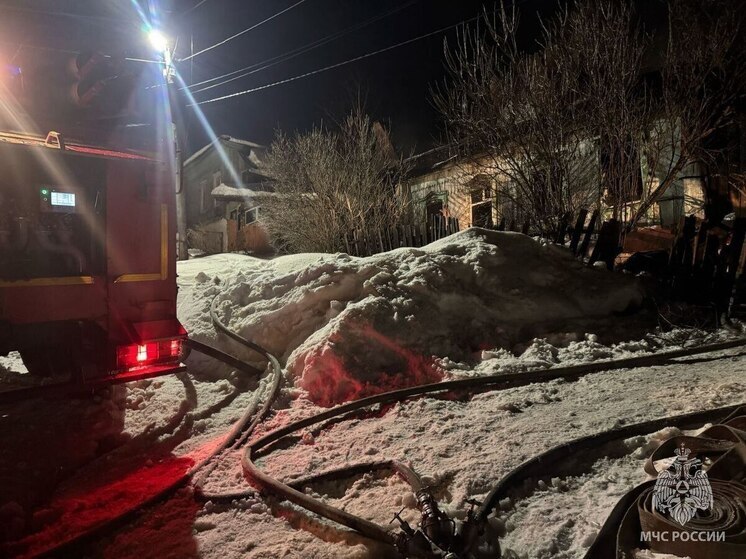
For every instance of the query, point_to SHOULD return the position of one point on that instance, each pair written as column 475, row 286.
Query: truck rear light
column 149, row 353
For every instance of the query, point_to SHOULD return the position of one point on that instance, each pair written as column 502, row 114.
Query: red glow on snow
column 331, row 378
column 76, row 510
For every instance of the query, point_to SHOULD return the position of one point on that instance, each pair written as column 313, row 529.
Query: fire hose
column 723, row 518
column 241, row 429
column 633, row 514
column 437, row 535
column 411, row 543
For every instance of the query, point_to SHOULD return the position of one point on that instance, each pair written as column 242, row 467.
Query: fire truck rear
column 87, row 226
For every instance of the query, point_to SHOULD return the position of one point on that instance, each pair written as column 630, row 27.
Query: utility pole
column 177, row 137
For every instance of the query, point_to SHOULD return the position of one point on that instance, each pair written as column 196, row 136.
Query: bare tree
column 515, row 114
column 602, row 47
column 328, row 182
column 701, row 81
column 576, row 122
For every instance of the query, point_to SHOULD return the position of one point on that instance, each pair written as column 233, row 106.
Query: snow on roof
column 225, row 191
column 234, row 140
column 223, row 138
column 428, row 161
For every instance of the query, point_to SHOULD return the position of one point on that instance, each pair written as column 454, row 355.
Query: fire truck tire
column 50, row 361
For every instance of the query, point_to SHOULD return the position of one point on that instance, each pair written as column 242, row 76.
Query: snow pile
column 349, row 326
column 462, row 445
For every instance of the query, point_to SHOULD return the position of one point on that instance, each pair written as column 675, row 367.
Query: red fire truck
column 87, row 237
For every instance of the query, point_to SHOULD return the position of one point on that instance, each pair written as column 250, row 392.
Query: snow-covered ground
column 473, row 304
column 347, row 326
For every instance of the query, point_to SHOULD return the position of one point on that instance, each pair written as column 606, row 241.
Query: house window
column 480, row 193
column 252, row 215
column 204, row 196
column 217, row 178
column 435, row 204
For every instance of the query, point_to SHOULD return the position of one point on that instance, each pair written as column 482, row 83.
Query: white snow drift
column 346, row 326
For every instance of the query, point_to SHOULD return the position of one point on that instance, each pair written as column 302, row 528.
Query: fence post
column 727, row 281
column 588, row 234
column 421, row 241
column 682, row 254
column 607, row 245
column 578, row 231
column 370, row 243
column 359, row 250
column 562, row 230
column 383, row 234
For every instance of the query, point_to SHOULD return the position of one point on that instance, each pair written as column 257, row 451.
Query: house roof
column 240, row 141
column 429, row 161
column 223, row 138
column 233, row 193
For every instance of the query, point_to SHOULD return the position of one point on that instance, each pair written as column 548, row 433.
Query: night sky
column 396, row 83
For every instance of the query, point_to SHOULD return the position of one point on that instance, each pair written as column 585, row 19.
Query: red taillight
column 137, row 355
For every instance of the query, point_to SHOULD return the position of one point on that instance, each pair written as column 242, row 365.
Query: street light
column 158, row 40
column 160, row 43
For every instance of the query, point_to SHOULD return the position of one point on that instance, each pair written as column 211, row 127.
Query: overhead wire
column 228, row 39
column 197, row 5
column 333, row 66
column 289, row 55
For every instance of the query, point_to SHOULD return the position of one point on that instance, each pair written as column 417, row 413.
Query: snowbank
column 348, row 326
column 462, row 445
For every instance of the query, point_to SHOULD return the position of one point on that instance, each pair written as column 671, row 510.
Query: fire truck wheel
column 50, row 361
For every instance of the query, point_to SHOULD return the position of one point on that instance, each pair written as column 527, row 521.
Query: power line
column 289, row 55
column 270, row 18
column 197, row 5
column 332, row 66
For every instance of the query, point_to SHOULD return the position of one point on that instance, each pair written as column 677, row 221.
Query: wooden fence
column 704, row 263
column 209, row 242
column 365, row 242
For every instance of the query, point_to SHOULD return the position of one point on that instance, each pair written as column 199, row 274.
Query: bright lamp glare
column 158, row 40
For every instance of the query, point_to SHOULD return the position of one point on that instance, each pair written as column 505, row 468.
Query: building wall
column 454, row 181
column 199, row 180
column 222, row 220
column 453, row 184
